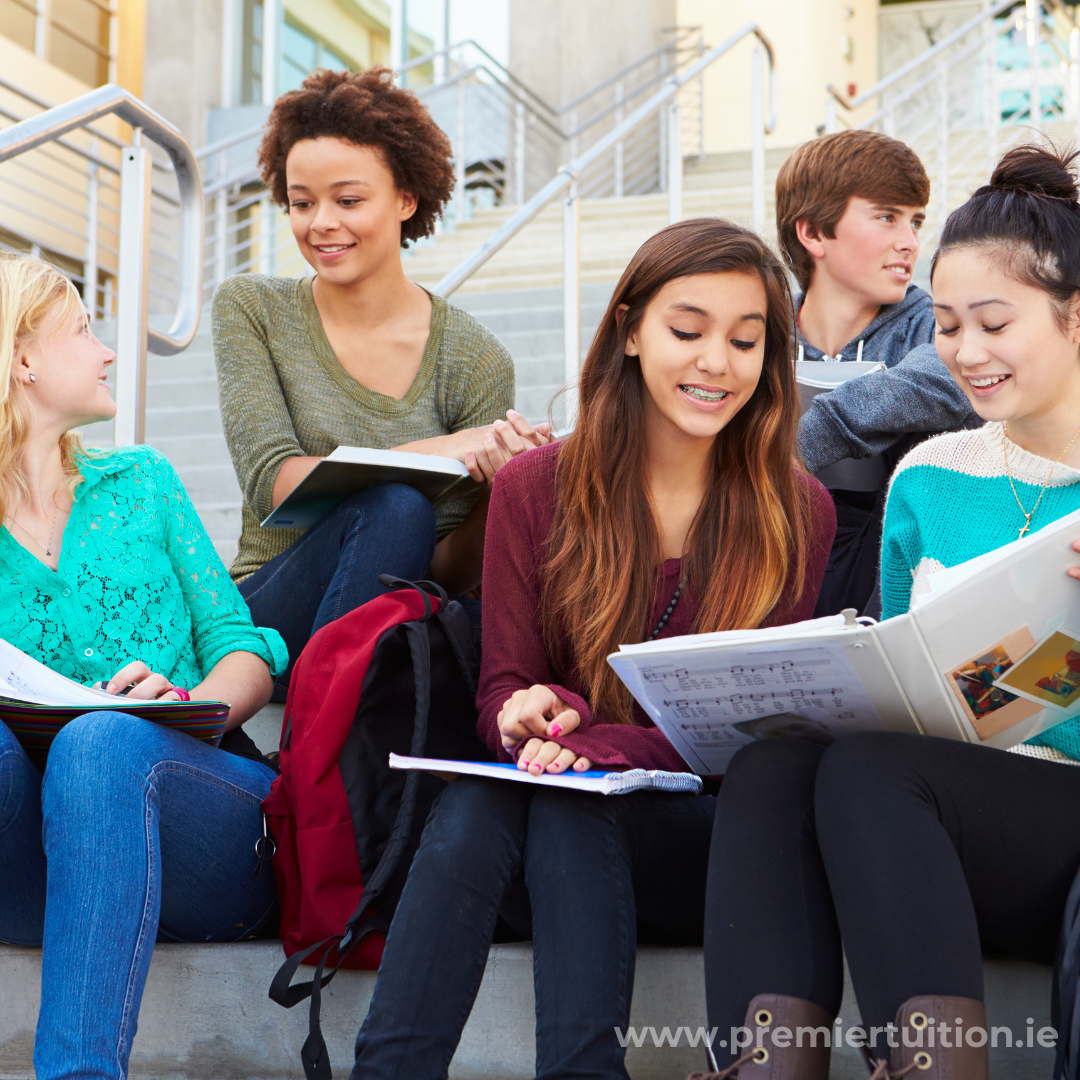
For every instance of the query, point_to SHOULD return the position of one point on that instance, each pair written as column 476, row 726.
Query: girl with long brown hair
column 675, row 507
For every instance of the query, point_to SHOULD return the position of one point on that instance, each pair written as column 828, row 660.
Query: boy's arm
column 867, row 415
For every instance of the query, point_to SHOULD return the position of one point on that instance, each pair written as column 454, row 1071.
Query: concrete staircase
column 611, row 229
column 206, row 1016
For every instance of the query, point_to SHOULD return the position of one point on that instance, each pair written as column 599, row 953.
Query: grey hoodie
column 867, row 415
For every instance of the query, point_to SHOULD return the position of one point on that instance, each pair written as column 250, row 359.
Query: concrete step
column 210, row 485
column 206, row 1016
column 188, row 450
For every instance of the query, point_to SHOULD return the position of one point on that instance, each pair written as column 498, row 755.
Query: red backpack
column 397, row 674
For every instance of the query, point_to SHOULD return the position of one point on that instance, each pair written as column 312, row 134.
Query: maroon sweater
column 514, row 658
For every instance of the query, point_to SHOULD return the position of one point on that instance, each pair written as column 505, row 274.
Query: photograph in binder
column 1049, row 674
column 991, row 709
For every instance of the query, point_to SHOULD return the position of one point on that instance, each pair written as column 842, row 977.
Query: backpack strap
column 427, row 589
column 461, row 645
column 314, row 1055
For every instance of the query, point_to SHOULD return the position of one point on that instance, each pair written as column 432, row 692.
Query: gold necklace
column 47, row 548
column 1029, row 513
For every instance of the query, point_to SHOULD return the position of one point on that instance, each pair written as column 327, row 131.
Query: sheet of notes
column 709, row 706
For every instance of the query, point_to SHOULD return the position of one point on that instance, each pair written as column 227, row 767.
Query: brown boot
column 803, row 1058
column 921, row 1054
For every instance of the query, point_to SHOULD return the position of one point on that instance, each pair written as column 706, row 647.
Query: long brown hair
column 749, row 535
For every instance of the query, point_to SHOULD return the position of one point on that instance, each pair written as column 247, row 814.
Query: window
column 302, row 54
column 251, row 53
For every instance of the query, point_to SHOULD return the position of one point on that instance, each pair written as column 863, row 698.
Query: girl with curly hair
column 356, row 355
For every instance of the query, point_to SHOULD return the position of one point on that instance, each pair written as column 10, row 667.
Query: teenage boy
column 848, row 211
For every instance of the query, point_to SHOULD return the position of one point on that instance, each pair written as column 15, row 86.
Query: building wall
column 182, row 79
column 816, row 42
column 43, row 192
column 562, row 48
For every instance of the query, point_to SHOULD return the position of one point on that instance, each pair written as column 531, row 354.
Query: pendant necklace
column 47, row 548
column 1028, row 514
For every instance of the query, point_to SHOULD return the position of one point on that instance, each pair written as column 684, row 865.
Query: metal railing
column 130, row 167
column 567, row 180
column 1009, row 67
column 534, row 138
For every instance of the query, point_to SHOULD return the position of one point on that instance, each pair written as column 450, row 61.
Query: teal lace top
column 138, row 579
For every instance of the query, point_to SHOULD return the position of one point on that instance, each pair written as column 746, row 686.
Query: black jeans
column 596, row 869
column 914, row 851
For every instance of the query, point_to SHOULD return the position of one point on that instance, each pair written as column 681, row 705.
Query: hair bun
column 1036, row 170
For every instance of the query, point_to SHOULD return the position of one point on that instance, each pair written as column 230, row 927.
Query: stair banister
column 133, row 334
column 834, row 97
column 570, row 172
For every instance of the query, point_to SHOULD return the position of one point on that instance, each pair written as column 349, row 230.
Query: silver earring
column 33, row 377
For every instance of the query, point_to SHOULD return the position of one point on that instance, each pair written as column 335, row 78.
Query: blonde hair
column 31, row 292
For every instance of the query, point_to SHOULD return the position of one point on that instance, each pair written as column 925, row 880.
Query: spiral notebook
column 604, row 783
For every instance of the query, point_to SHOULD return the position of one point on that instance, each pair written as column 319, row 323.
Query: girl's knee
column 404, row 506
column 471, row 810
column 864, row 770
column 771, row 769
column 92, row 750
column 868, row 756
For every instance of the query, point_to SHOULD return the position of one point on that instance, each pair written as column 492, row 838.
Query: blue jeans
column 135, row 833
column 597, row 869
column 333, row 567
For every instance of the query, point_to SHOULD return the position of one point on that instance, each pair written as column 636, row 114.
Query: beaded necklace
column 667, row 614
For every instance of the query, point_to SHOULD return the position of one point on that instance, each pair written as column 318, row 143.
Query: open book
column 988, row 653
column 604, row 783
column 350, row 469
column 36, row 702
column 820, row 377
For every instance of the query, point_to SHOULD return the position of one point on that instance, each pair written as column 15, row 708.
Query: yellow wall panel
column 816, row 42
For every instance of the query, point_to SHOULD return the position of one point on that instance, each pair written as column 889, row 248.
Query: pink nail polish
column 556, row 729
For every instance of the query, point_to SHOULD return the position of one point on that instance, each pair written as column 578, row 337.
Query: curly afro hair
column 365, row 109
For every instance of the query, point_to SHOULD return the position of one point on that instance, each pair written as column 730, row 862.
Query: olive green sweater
column 284, row 393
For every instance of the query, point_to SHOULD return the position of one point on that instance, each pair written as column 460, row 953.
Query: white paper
column 709, row 704
column 825, row 625
column 22, row 677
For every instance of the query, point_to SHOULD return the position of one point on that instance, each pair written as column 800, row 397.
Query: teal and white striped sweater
column 949, row 501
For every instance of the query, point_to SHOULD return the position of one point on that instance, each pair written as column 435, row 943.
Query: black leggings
column 914, row 850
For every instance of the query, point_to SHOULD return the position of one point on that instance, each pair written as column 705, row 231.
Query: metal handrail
column 41, row 103
column 465, row 73
column 428, row 58
column 901, row 72
column 570, row 172
column 114, row 100
column 230, row 140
